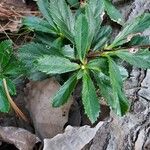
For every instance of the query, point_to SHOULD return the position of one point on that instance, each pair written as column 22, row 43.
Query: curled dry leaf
column 48, row 121
column 22, row 139
column 74, row 138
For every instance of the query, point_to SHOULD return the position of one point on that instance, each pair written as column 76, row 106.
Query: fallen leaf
column 74, row 138
column 22, row 139
column 48, row 121
column 11, row 14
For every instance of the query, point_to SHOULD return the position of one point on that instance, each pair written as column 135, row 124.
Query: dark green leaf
column 44, row 7
column 131, row 29
column 99, row 64
column 4, row 104
column 63, row 18
column 13, row 68
column 5, row 53
column 73, row 3
column 123, row 72
column 58, row 43
column 55, row 65
column 121, row 105
column 62, row 96
column 92, row 23
column 139, row 41
column 106, row 90
column 45, row 38
column 97, row 7
column 101, row 38
column 9, row 65
column 29, row 53
column 140, row 59
column 11, row 86
column 94, row 11
column 113, row 13
column 80, row 74
column 82, row 36
column 89, row 99
column 38, row 24
column 35, row 75
column 68, row 51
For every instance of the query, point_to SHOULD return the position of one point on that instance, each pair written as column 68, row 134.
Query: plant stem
column 139, row 46
column 100, row 53
column 13, row 105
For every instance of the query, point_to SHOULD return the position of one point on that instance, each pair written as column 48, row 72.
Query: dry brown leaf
column 22, row 139
column 74, row 138
column 11, row 13
column 48, row 121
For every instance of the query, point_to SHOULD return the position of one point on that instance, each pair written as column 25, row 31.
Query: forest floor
column 44, row 123
column 15, row 133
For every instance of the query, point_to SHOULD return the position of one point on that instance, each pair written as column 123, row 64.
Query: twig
column 5, row 32
column 14, row 106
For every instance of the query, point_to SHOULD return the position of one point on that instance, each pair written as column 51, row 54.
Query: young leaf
column 62, row 96
column 82, row 36
column 131, row 29
column 121, row 104
column 38, row 24
column 63, row 18
column 89, row 98
column 56, row 65
column 113, row 13
column 140, row 59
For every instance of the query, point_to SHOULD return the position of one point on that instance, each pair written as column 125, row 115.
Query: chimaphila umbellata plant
column 72, row 38
column 10, row 71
